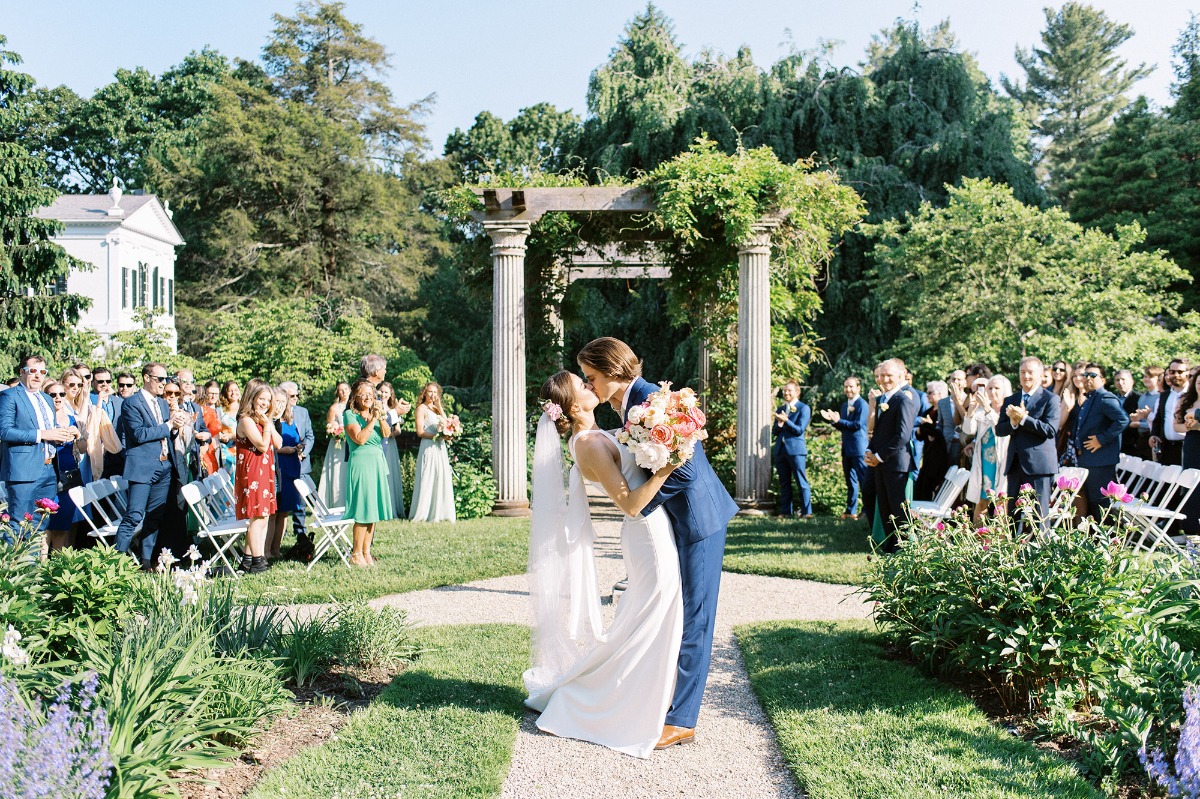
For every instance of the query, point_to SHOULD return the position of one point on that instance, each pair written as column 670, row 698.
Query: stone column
column 508, row 367
column 753, row 468
column 705, row 368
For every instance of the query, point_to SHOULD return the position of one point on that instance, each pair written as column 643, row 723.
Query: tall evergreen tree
column 36, row 315
column 1187, row 71
column 1075, row 83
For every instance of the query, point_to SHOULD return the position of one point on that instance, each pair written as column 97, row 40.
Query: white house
column 131, row 241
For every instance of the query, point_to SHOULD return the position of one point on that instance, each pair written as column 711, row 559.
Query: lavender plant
column 62, row 753
column 1184, row 779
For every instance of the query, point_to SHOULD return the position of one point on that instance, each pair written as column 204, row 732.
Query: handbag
column 71, row 478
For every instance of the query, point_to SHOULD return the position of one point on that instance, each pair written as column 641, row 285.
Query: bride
column 612, row 687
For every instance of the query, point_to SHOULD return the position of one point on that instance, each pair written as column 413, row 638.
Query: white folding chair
column 220, row 502
column 1125, row 465
column 224, row 488
column 119, row 498
column 86, row 499
column 1062, row 507
column 333, row 527
column 1154, row 519
column 223, row 534
column 939, row 508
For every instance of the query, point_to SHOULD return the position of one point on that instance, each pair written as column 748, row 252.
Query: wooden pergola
column 507, row 217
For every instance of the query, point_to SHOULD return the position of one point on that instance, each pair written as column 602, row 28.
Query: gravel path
column 735, row 753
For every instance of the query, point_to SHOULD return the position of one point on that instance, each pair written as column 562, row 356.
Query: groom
column 699, row 508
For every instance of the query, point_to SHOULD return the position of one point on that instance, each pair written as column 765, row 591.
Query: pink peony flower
column 1067, row 483
column 4, row 517
column 47, row 505
column 661, row 434
column 940, row 526
column 1025, row 487
column 1115, row 490
column 28, row 517
column 684, row 427
column 697, row 416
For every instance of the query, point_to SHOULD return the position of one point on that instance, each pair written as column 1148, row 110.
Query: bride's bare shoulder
column 591, row 446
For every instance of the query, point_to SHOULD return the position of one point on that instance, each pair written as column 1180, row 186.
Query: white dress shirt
column 1169, row 431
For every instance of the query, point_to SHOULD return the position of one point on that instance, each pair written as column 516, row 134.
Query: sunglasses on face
column 34, row 371
column 1091, row 375
column 74, row 385
column 86, row 376
column 1059, row 369
column 158, row 378
column 100, row 381
column 57, row 394
column 293, row 396
column 172, row 393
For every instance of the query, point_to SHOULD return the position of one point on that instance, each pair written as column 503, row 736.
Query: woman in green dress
column 368, row 491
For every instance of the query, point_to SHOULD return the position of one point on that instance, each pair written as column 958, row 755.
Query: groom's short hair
column 612, row 358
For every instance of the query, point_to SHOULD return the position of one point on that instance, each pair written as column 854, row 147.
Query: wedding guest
column 1152, row 377
column 888, row 450
column 1060, row 375
column 292, row 463
column 391, row 450
column 101, row 437
column 105, row 397
column 1187, row 422
column 956, row 385
column 188, row 404
column 989, row 456
column 790, row 451
column 68, row 456
column 148, row 426
column 1072, row 398
column 936, row 460
column 373, row 369
column 1030, row 419
column 85, row 374
column 1099, row 426
column 231, row 397
column 211, row 453
column 851, row 422
column 433, row 487
column 368, row 493
column 254, row 478
column 29, row 439
column 173, row 535
column 1123, row 381
column 1165, row 439
column 126, row 385
column 333, row 470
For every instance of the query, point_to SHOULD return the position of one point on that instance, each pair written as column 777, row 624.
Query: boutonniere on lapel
column 883, row 406
column 906, row 393
column 791, row 408
column 851, row 410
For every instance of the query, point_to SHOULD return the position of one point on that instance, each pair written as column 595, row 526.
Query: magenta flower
column 1067, row 483
column 4, row 517
column 1116, row 491
column 1026, row 487
column 940, row 526
column 47, row 505
column 28, row 517
column 983, row 531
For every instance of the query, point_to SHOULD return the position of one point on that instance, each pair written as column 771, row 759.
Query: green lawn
column 410, row 557
column 852, row 723
column 444, row 728
column 822, row 549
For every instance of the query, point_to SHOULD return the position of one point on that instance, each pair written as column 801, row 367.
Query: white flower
column 166, row 560
column 654, row 415
column 688, row 402
column 651, row 456
column 636, row 414
column 193, row 554
column 11, row 649
column 883, row 406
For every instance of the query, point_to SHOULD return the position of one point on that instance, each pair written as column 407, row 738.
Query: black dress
column 935, row 461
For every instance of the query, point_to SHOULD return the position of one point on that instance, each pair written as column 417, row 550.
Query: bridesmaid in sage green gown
column 368, row 491
column 433, row 486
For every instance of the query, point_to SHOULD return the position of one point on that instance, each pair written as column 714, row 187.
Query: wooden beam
column 531, row 203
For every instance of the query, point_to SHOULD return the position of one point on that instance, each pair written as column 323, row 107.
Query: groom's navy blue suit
column 700, row 509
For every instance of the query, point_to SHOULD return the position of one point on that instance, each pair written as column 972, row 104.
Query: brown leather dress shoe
column 675, row 735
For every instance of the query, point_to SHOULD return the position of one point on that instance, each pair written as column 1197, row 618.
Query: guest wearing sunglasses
column 105, row 397
column 126, row 385
column 1165, row 440
column 70, row 455
column 29, row 439
column 1099, row 426
column 173, row 534
column 97, row 430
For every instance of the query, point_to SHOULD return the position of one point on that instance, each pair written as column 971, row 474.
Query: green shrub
column 824, row 467
column 87, row 594
column 471, row 461
column 22, row 597
column 364, row 636
column 306, row 648
column 408, row 476
column 250, row 691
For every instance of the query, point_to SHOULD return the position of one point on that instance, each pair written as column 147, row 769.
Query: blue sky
column 501, row 57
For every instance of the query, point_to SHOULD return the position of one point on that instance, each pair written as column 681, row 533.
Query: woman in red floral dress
column 254, row 479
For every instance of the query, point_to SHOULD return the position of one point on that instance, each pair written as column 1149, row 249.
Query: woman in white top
column 391, row 452
column 613, row 687
column 988, row 457
column 433, row 486
column 332, row 487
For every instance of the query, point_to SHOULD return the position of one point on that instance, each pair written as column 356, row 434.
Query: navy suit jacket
column 945, row 420
column 24, row 459
column 1033, row 442
column 693, row 496
column 303, row 422
column 894, row 430
column 789, row 435
column 1103, row 417
column 853, row 426
column 143, row 437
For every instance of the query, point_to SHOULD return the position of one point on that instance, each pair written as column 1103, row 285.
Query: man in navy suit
column 791, row 451
column 304, row 429
column 888, row 451
column 149, row 427
column 851, row 421
column 1097, row 437
column 29, row 437
column 1031, row 416
column 699, row 508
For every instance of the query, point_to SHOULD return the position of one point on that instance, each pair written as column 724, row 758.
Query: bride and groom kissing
column 636, row 686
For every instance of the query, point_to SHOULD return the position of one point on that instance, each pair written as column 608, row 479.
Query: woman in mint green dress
column 368, row 491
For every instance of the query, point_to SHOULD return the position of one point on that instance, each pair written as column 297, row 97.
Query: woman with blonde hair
column 333, row 471
column 391, row 449
column 68, row 456
column 287, row 468
column 433, row 487
column 227, row 414
column 368, row 492
column 95, row 428
column 989, row 457
column 254, row 477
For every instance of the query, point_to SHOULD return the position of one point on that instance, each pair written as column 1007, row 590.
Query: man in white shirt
column 1163, row 436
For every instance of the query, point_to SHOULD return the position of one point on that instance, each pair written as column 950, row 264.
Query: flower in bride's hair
column 553, row 410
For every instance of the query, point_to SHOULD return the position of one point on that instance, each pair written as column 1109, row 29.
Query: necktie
column 47, row 421
column 157, row 412
column 1025, row 399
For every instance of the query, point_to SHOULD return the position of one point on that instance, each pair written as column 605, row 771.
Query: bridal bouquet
column 335, row 430
column 665, row 428
column 450, row 427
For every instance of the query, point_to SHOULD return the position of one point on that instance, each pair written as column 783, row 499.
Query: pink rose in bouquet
column 664, row 429
column 450, row 427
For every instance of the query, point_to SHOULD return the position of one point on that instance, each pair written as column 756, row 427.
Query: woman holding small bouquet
column 333, row 472
column 433, row 488
column 396, row 408
column 368, row 493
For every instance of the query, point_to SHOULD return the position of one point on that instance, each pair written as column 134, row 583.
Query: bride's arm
column 598, row 463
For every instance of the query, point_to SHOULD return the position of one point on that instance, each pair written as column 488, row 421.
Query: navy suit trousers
column 788, row 467
column 854, row 469
column 1040, row 483
column 700, row 571
column 1098, row 478
column 23, row 495
column 146, row 504
column 889, row 494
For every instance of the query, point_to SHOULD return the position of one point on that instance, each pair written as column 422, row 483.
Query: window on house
column 124, row 288
column 171, row 297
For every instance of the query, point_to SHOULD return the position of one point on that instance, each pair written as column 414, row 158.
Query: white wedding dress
column 617, row 687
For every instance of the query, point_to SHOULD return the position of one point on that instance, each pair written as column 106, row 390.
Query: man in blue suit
column 699, row 508
column 29, row 437
column 889, row 451
column 791, row 451
column 304, row 429
column 1097, row 437
column 149, row 428
column 1031, row 416
column 851, row 421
